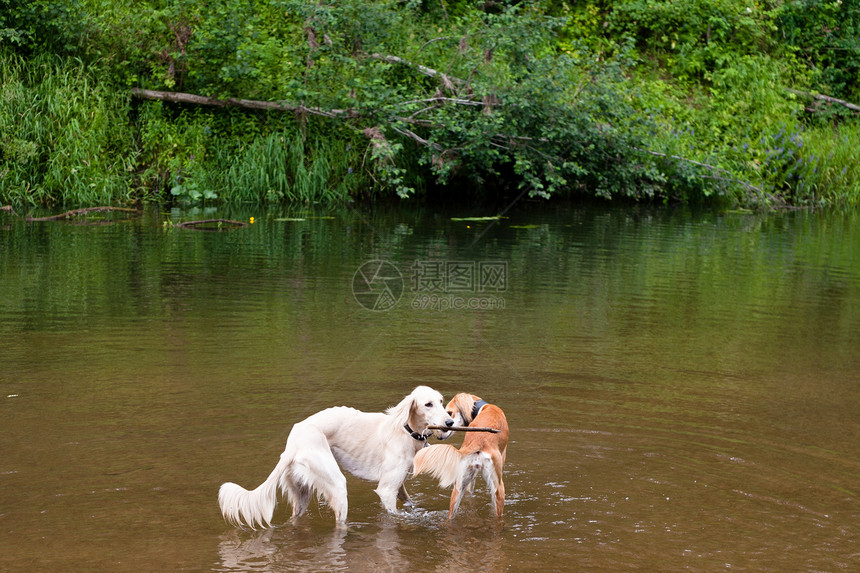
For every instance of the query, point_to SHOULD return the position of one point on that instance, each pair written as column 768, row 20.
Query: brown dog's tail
column 442, row 461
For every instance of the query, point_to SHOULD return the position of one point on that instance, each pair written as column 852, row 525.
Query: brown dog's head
column 460, row 408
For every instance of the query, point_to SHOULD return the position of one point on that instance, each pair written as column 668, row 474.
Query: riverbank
column 313, row 104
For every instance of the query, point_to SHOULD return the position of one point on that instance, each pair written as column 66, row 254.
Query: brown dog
column 481, row 453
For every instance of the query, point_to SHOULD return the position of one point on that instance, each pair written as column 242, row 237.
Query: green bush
column 35, row 26
column 825, row 35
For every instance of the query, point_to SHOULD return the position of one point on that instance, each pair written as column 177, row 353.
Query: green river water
column 682, row 388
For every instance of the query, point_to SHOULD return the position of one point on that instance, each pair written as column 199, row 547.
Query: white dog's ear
column 402, row 411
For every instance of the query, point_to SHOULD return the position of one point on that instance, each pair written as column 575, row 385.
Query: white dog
column 372, row 446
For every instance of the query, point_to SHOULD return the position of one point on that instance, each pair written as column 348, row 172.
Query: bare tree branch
column 457, row 101
column 821, row 97
column 428, row 42
column 714, row 168
column 446, row 80
column 679, row 158
column 179, row 97
column 414, row 136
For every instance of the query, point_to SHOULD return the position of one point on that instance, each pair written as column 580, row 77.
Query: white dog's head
column 422, row 408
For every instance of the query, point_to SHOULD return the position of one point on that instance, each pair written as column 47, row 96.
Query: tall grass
column 194, row 155
column 66, row 136
column 810, row 166
column 69, row 138
column 831, row 172
column 285, row 166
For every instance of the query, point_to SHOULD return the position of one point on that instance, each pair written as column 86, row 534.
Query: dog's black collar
column 414, row 434
column 476, row 409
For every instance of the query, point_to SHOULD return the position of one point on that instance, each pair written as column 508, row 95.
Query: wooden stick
column 194, row 224
column 76, row 212
column 464, row 429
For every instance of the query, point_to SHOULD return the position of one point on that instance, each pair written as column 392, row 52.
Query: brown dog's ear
column 466, row 417
column 464, row 406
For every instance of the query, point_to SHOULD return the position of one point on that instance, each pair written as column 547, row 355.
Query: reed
column 285, row 166
column 830, row 168
column 66, row 135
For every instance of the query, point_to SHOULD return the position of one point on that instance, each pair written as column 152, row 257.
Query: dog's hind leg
column 330, row 484
column 298, row 491
column 315, row 469
column 497, row 489
column 456, row 498
column 499, row 499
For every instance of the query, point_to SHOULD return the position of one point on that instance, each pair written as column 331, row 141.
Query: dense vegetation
column 742, row 102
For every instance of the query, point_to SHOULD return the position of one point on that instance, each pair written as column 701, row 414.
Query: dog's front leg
column 388, row 496
column 389, row 487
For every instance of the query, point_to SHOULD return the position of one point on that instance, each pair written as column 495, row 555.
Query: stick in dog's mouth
column 464, row 429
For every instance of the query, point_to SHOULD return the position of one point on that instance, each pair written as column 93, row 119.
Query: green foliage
column 714, row 75
column 645, row 99
column 41, row 25
column 693, row 38
column 826, row 36
column 173, row 146
column 66, row 135
column 196, row 155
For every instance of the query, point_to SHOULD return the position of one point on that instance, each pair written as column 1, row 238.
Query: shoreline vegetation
column 741, row 104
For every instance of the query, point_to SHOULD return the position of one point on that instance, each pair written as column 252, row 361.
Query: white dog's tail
column 442, row 461
column 253, row 508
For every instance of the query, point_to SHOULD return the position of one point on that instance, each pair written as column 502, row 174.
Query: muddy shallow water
column 683, row 389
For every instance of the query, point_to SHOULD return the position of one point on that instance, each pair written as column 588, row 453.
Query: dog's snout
column 449, row 422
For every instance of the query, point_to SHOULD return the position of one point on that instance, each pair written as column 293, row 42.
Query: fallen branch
column 821, row 97
column 746, row 184
column 458, row 101
column 680, row 158
column 194, row 225
column 179, row 97
column 76, row 212
column 414, row 136
column 447, row 81
column 464, row 429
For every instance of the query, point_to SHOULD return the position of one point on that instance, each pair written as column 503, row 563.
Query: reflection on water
column 682, row 389
column 259, row 552
column 389, row 544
